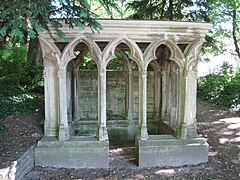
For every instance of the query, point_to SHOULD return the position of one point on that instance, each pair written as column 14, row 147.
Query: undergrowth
column 18, row 104
column 221, row 87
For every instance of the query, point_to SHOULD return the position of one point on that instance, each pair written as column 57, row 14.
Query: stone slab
column 166, row 150
column 77, row 152
column 18, row 168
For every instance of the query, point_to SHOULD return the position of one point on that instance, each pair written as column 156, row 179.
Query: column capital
column 102, row 72
column 130, row 72
column 143, row 72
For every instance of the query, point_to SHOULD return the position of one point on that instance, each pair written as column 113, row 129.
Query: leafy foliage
column 168, row 10
column 24, row 19
column 17, row 74
column 17, row 104
column 2, row 129
column 221, row 87
column 17, row 78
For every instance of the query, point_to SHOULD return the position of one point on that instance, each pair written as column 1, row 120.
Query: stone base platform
column 77, row 152
column 167, row 150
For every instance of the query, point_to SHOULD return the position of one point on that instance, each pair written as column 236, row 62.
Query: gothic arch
column 175, row 55
column 191, row 54
column 136, row 53
column 68, row 52
column 50, row 51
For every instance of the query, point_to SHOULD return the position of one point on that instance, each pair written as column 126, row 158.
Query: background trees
column 22, row 20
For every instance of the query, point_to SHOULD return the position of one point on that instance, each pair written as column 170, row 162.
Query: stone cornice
column 143, row 30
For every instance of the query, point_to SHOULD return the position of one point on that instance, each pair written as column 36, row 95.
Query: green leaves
column 221, row 87
column 22, row 20
column 17, row 33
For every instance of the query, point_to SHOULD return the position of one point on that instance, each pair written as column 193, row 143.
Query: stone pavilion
column 151, row 100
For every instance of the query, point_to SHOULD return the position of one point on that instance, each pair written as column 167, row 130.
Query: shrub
column 17, row 74
column 221, row 87
column 18, row 104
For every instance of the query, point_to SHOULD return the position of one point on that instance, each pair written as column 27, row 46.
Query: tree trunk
column 234, row 33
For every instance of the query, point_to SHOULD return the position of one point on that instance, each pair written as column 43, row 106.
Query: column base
column 102, row 134
column 142, row 133
column 167, row 150
column 63, row 133
column 77, row 152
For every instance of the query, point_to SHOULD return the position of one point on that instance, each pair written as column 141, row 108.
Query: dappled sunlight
column 228, row 133
column 116, row 150
column 231, row 128
column 223, row 140
column 165, row 172
column 139, row 176
column 236, row 160
column 231, row 120
column 212, row 153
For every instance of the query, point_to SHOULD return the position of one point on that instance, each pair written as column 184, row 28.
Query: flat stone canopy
column 172, row 48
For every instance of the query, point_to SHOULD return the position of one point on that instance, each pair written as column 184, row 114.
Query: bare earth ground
column 220, row 127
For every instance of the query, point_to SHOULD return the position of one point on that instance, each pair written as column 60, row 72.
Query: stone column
column 129, row 100
column 102, row 133
column 63, row 133
column 157, row 94
column 75, row 91
column 51, row 99
column 191, row 103
column 181, row 130
column 174, row 90
column 164, row 97
column 69, row 93
column 142, row 131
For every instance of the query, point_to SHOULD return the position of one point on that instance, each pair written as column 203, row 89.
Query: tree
column 167, row 10
column 225, row 16
column 21, row 20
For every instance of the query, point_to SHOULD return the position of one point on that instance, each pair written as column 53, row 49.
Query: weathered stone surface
column 18, row 168
column 77, row 152
column 103, row 95
column 167, row 150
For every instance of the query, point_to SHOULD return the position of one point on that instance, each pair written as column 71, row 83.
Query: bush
column 221, row 87
column 18, row 104
column 17, row 74
column 2, row 129
column 18, row 77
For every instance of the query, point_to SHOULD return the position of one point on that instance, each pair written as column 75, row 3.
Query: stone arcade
column 152, row 101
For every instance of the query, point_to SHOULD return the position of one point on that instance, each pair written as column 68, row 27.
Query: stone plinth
column 77, row 152
column 166, row 150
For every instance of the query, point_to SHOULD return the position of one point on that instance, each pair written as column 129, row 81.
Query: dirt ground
column 220, row 127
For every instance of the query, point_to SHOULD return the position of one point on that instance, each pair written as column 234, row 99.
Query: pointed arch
column 175, row 55
column 136, row 53
column 50, row 51
column 192, row 53
column 125, row 58
column 68, row 52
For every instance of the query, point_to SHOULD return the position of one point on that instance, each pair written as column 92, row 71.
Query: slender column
column 130, row 95
column 75, row 90
column 157, row 94
column 181, row 130
column 63, row 133
column 130, row 105
column 191, row 102
column 164, row 95
column 69, row 94
column 173, row 97
column 142, row 131
column 102, row 115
